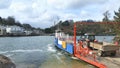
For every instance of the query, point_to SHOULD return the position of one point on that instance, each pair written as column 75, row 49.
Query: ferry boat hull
column 68, row 47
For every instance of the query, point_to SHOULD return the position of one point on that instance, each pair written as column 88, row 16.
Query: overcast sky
column 43, row 13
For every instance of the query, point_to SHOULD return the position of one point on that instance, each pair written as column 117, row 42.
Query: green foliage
column 106, row 16
column 27, row 26
column 67, row 27
column 117, row 22
column 66, row 23
column 117, row 16
column 0, row 20
column 19, row 24
column 11, row 21
column 48, row 30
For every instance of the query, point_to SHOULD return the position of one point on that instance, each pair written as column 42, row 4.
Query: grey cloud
column 43, row 13
column 74, row 4
column 5, row 4
column 83, row 3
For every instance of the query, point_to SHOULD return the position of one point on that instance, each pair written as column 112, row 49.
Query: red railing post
column 74, row 39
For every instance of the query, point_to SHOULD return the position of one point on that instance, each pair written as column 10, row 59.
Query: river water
column 39, row 52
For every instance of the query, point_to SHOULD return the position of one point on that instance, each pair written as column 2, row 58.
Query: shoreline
column 19, row 35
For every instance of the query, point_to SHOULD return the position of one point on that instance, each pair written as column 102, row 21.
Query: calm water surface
column 39, row 52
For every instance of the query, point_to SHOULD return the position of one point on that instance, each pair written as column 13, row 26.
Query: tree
column 27, row 26
column 106, row 16
column 117, row 22
column 48, row 30
column 106, row 19
column 65, row 23
column 4, row 21
column 10, row 20
column 0, row 20
column 18, row 24
column 117, row 16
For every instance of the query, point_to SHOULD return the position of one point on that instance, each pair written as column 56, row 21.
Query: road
column 111, row 62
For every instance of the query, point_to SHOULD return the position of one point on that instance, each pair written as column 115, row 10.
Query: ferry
column 64, row 42
column 76, row 48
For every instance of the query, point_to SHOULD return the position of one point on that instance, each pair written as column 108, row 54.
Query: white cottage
column 15, row 30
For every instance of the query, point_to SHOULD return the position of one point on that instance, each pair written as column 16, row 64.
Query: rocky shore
column 6, row 62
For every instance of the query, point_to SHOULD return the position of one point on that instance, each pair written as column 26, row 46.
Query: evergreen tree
column 117, row 16
column 10, row 20
column 106, row 16
column 0, row 20
column 117, row 22
column 107, row 27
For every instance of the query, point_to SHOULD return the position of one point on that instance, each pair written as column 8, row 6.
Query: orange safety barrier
column 84, row 53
